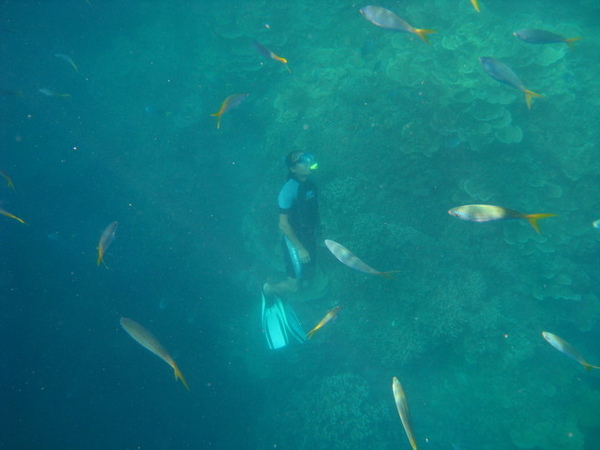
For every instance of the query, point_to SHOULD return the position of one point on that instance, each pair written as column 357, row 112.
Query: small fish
column 12, row 216
column 330, row 315
column 107, row 237
column 229, row 103
column 11, row 93
column 596, row 224
column 475, row 5
column 9, row 182
column 564, row 347
column 504, row 74
column 386, row 19
column 490, row 213
column 533, row 36
column 69, row 60
column 264, row 51
column 403, row 411
column 348, row 258
column 51, row 93
column 147, row 340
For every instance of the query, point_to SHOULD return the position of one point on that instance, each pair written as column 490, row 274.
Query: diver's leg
column 294, row 270
column 287, row 286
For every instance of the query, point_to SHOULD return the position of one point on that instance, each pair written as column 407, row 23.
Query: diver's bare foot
column 267, row 289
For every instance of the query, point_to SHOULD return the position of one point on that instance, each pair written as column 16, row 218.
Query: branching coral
column 335, row 412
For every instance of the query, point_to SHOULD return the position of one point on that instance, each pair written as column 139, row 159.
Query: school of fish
column 387, row 20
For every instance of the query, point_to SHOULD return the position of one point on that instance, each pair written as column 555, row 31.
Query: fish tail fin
column 533, row 218
column 422, row 33
column 529, row 95
column 570, row 41
column 310, row 334
column 278, row 58
column 218, row 115
column 179, row 376
column 388, row 274
column 281, row 60
column 100, row 260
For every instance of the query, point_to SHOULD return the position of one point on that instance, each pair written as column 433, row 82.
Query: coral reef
column 404, row 131
column 336, row 412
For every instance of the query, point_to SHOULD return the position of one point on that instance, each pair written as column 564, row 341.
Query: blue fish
column 533, row 36
column 504, row 74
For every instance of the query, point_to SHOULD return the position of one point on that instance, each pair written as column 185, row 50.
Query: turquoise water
column 403, row 132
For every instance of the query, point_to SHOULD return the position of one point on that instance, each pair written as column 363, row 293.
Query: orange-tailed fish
column 107, row 237
column 504, row 74
column 11, row 93
column 12, row 216
column 264, row 51
column 564, row 347
column 533, row 36
column 330, row 315
column 475, row 4
column 490, row 213
column 9, row 182
column 149, row 342
column 68, row 59
column 229, row 103
column 386, row 19
column 51, row 93
column 403, row 411
column 348, row 258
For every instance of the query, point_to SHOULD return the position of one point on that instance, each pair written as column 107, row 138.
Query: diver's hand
column 303, row 255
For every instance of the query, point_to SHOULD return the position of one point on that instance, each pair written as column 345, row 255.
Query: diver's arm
column 288, row 231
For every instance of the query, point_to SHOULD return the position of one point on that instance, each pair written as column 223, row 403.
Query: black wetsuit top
column 300, row 202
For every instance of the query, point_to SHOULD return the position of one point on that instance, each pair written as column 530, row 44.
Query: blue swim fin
column 279, row 323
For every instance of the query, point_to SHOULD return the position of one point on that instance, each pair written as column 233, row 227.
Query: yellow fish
column 107, row 237
column 348, row 258
column 475, row 5
column 12, row 216
column 564, row 347
column 490, row 213
column 385, row 18
column 264, row 51
column 403, row 411
column 147, row 340
column 330, row 315
column 51, row 93
column 68, row 59
column 504, row 74
column 9, row 182
column 229, row 103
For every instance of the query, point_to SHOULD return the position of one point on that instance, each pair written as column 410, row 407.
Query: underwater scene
column 319, row 224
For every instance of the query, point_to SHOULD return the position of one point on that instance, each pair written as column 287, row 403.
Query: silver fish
column 564, row 347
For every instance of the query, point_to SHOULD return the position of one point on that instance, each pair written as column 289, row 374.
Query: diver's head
column 295, row 159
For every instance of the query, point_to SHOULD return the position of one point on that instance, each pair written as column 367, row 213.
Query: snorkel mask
column 309, row 160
